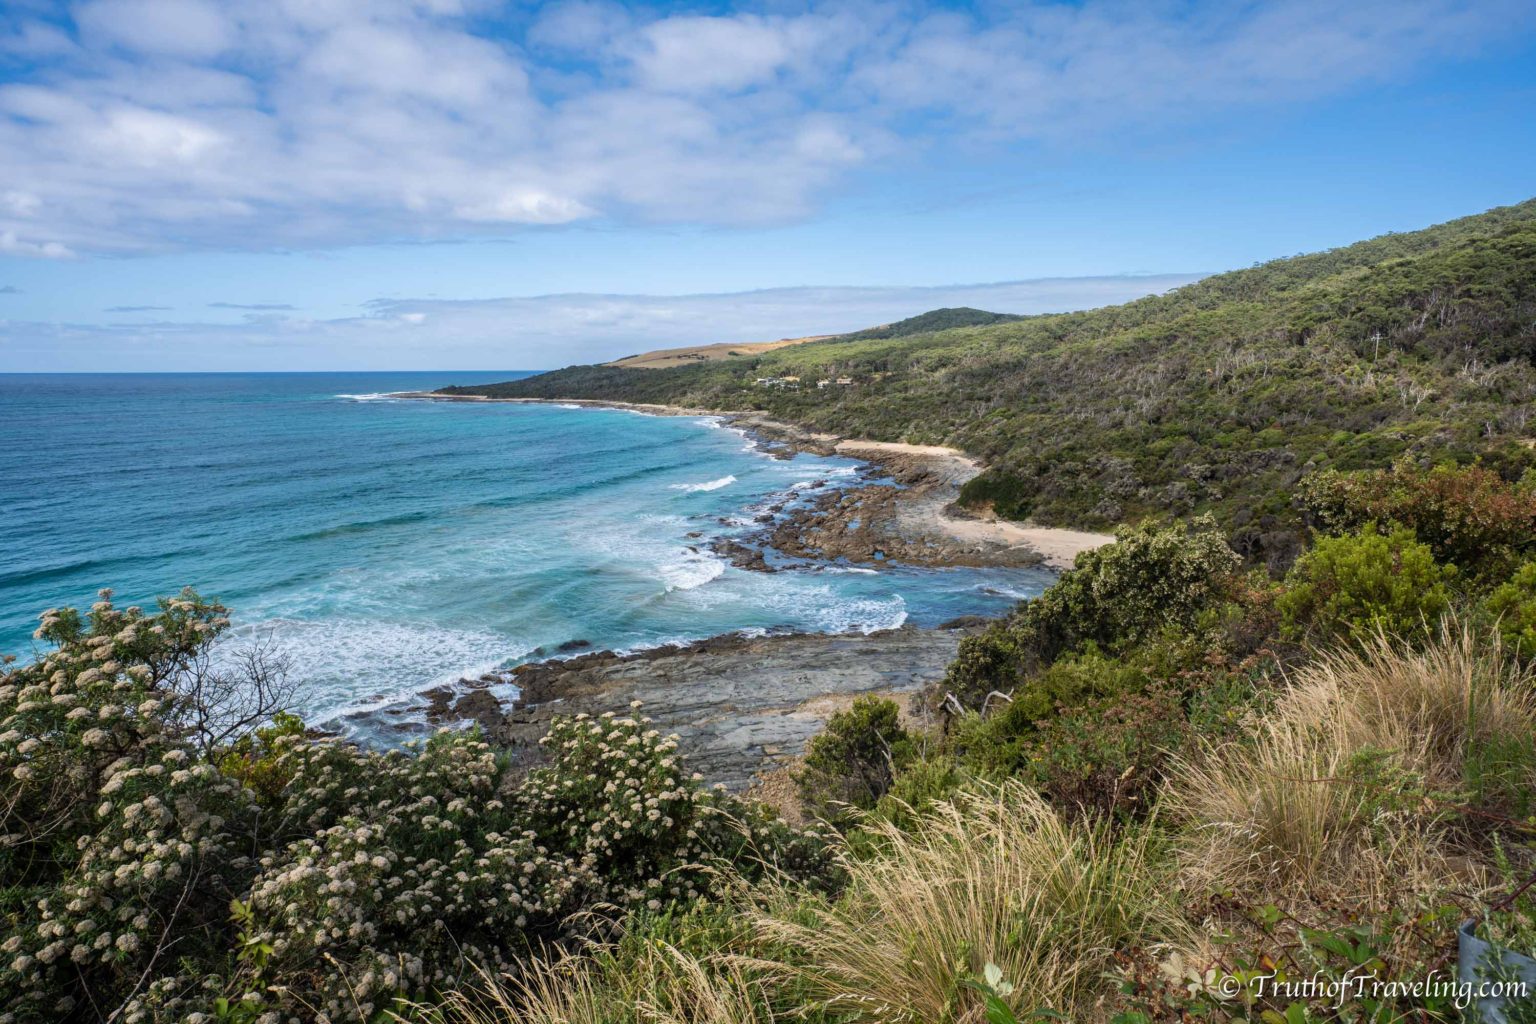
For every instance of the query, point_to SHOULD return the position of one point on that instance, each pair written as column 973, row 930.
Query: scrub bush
column 1359, row 585
column 852, row 762
column 1513, row 604
column 1150, row 581
column 1469, row 516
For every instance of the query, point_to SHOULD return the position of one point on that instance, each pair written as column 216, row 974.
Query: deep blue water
column 386, row 545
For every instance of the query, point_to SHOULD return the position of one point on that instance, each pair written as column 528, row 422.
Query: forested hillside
column 1215, row 397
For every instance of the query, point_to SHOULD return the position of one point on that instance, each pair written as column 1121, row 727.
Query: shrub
column 852, row 762
column 1006, row 740
column 1150, row 581
column 155, row 864
column 919, row 785
column 116, row 840
column 253, row 760
column 1467, row 515
column 1108, row 757
column 1513, row 604
column 1366, row 583
column 611, row 821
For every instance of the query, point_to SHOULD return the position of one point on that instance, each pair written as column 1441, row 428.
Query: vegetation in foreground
column 1214, row 398
column 1159, row 784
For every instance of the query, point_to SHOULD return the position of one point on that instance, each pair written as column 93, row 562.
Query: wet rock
column 439, row 699
column 966, row 622
column 574, row 645
column 741, row 556
column 480, row 707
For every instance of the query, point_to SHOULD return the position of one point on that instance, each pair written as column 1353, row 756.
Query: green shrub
column 919, row 784
column 1004, row 742
column 1151, row 580
column 253, row 759
column 1469, row 516
column 1107, row 757
column 852, row 762
column 1513, row 603
column 1360, row 584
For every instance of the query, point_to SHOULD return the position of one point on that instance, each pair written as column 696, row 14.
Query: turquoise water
column 388, row 545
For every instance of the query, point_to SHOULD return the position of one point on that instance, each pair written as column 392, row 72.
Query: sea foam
column 711, row 485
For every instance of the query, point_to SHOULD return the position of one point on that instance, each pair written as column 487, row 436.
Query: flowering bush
column 114, row 839
column 158, row 864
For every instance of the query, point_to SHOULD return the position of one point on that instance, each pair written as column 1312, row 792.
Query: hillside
column 690, row 354
column 923, row 323
column 1214, row 397
column 933, row 320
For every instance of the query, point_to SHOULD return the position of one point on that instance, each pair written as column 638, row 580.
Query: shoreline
column 925, row 518
column 744, row 705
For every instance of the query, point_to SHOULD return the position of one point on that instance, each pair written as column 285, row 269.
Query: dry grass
column 996, row 877
column 1328, row 799
column 662, row 985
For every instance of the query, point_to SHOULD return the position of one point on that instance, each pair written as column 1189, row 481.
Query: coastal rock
column 883, row 522
column 478, row 706
column 967, row 622
column 741, row 556
column 735, row 702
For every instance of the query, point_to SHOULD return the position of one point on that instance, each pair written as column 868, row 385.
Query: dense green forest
column 1216, row 397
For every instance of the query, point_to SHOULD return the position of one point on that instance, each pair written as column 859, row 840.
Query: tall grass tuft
column 993, row 877
column 658, row 984
column 1344, row 789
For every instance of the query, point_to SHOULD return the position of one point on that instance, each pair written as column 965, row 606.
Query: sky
column 441, row 184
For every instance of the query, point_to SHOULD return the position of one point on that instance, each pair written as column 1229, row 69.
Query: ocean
column 388, row 545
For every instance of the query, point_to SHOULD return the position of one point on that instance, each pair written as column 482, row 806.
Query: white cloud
column 181, row 28
column 538, row 332
column 149, row 124
column 714, row 54
column 14, row 246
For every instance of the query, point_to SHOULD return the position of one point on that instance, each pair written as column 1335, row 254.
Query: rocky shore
column 745, row 706
column 739, row 705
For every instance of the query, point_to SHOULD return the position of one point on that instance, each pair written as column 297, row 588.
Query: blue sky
column 337, row 184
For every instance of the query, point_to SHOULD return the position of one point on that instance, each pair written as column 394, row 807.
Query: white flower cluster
column 104, row 817
column 298, row 879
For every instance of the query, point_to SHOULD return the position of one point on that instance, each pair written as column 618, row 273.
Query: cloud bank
column 540, row 332
column 140, row 125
